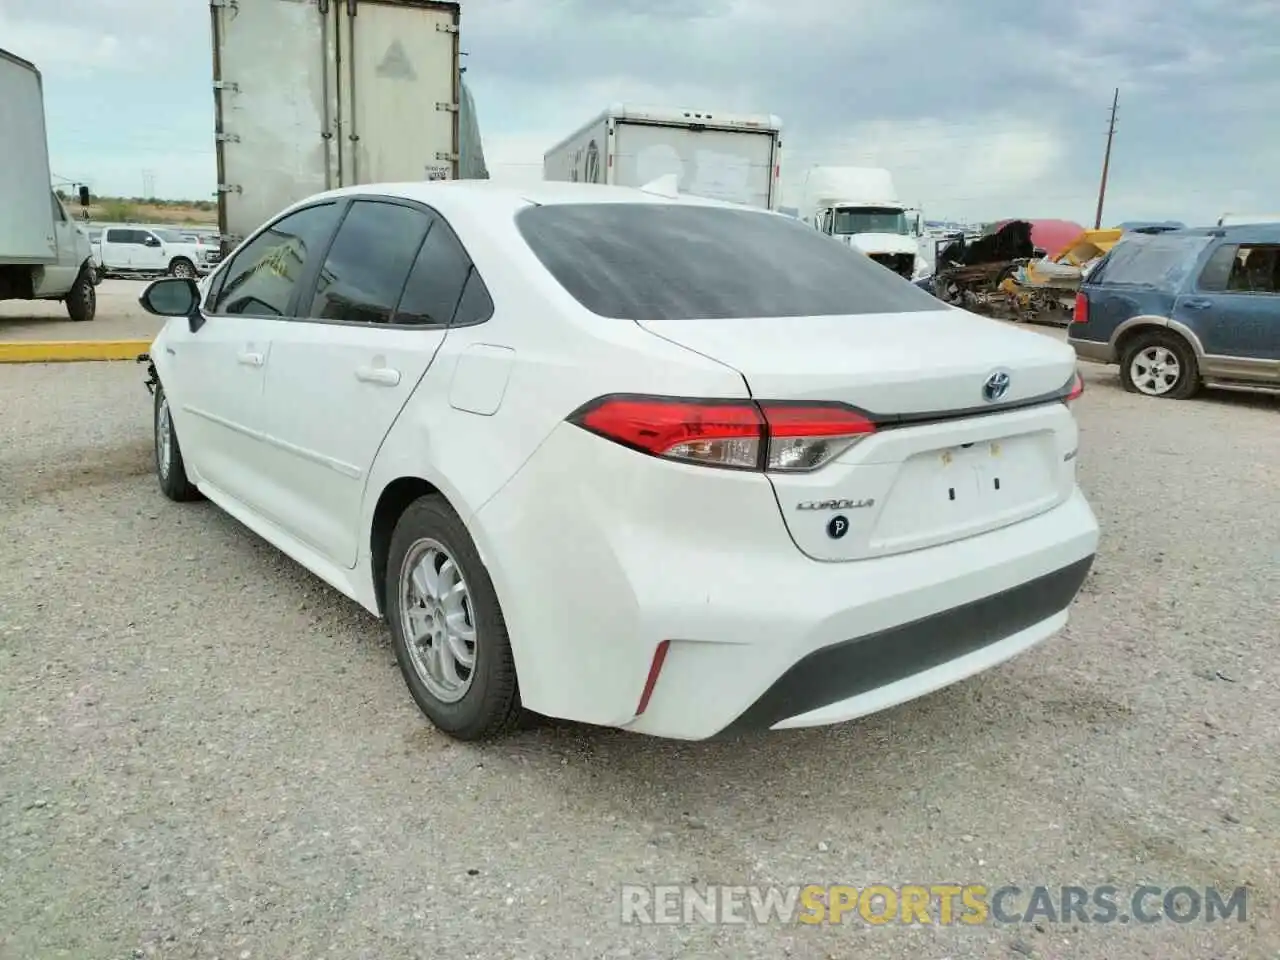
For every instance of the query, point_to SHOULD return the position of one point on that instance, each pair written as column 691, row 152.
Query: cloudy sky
column 982, row 109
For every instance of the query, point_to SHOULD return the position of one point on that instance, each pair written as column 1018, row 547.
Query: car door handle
column 383, row 376
column 1198, row 304
column 250, row 359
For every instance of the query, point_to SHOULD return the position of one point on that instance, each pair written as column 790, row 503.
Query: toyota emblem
column 996, row 387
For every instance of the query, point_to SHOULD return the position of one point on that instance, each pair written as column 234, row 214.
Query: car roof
column 1238, row 233
column 471, row 196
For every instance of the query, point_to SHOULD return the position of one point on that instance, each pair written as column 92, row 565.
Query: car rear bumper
column 1093, row 350
column 757, row 635
column 868, row 673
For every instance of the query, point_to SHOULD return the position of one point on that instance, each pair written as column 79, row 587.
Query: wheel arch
column 391, row 505
column 1136, row 326
column 392, row 501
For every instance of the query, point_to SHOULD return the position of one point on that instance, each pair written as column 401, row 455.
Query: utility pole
column 1106, row 161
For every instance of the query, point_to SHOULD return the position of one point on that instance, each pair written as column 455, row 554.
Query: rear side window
column 657, row 261
column 1156, row 260
column 435, row 286
column 1217, row 271
column 368, row 262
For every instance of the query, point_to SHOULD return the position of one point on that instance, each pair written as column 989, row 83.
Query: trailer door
column 732, row 165
column 271, row 93
column 399, row 90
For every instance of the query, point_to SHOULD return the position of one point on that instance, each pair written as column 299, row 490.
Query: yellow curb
column 65, row 351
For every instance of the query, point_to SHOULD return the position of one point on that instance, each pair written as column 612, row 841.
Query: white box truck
column 720, row 156
column 316, row 94
column 860, row 206
column 44, row 253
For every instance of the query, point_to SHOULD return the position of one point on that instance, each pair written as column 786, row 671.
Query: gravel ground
column 205, row 752
column 119, row 317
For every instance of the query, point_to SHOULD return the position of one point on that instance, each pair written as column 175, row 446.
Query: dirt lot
column 205, row 752
column 119, row 317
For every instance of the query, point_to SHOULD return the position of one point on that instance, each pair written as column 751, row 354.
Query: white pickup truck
column 131, row 251
column 44, row 253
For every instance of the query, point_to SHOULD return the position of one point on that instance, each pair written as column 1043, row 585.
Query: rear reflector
column 655, row 668
column 1077, row 388
column 774, row 436
column 1081, row 313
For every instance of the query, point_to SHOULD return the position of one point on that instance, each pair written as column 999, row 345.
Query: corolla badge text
column 835, row 504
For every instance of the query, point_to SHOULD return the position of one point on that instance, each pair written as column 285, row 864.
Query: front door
column 342, row 372
column 62, row 274
column 222, row 367
column 148, row 252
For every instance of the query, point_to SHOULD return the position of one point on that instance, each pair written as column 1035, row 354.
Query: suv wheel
column 1160, row 364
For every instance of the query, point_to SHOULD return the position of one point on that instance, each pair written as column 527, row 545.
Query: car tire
column 82, row 300
column 430, row 617
column 170, row 468
column 1172, row 371
column 182, row 267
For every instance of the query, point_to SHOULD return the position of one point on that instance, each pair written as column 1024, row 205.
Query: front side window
column 368, row 263
column 657, row 261
column 261, row 277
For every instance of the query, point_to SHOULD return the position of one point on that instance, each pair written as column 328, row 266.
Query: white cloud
column 980, row 110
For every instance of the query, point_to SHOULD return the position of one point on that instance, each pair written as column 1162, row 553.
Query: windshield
column 656, row 261
column 171, row 236
column 850, row 220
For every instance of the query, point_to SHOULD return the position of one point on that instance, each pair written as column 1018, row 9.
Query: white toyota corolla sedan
column 625, row 458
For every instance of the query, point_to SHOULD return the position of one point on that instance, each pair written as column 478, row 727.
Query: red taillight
column 1077, row 388
column 738, row 434
column 1081, row 314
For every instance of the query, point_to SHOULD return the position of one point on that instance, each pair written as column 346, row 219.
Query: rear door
column 1234, row 308
column 343, row 368
column 731, row 165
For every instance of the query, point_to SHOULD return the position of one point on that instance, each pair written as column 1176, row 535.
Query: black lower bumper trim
column 853, row 667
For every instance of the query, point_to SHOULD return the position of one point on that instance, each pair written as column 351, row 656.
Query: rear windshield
column 654, row 261
column 1157, row 260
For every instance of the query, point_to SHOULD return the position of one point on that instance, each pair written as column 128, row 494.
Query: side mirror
column 84, row 196
column 152, row 241
column 174, row 297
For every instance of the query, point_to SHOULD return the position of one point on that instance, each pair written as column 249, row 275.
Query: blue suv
column 1183, row 309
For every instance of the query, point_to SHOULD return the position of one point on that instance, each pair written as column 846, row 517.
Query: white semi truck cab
column 860, row 206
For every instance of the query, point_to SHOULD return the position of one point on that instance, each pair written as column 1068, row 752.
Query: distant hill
column 143, row 210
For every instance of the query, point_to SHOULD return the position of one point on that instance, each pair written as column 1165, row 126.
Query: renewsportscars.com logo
column 939, row 904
